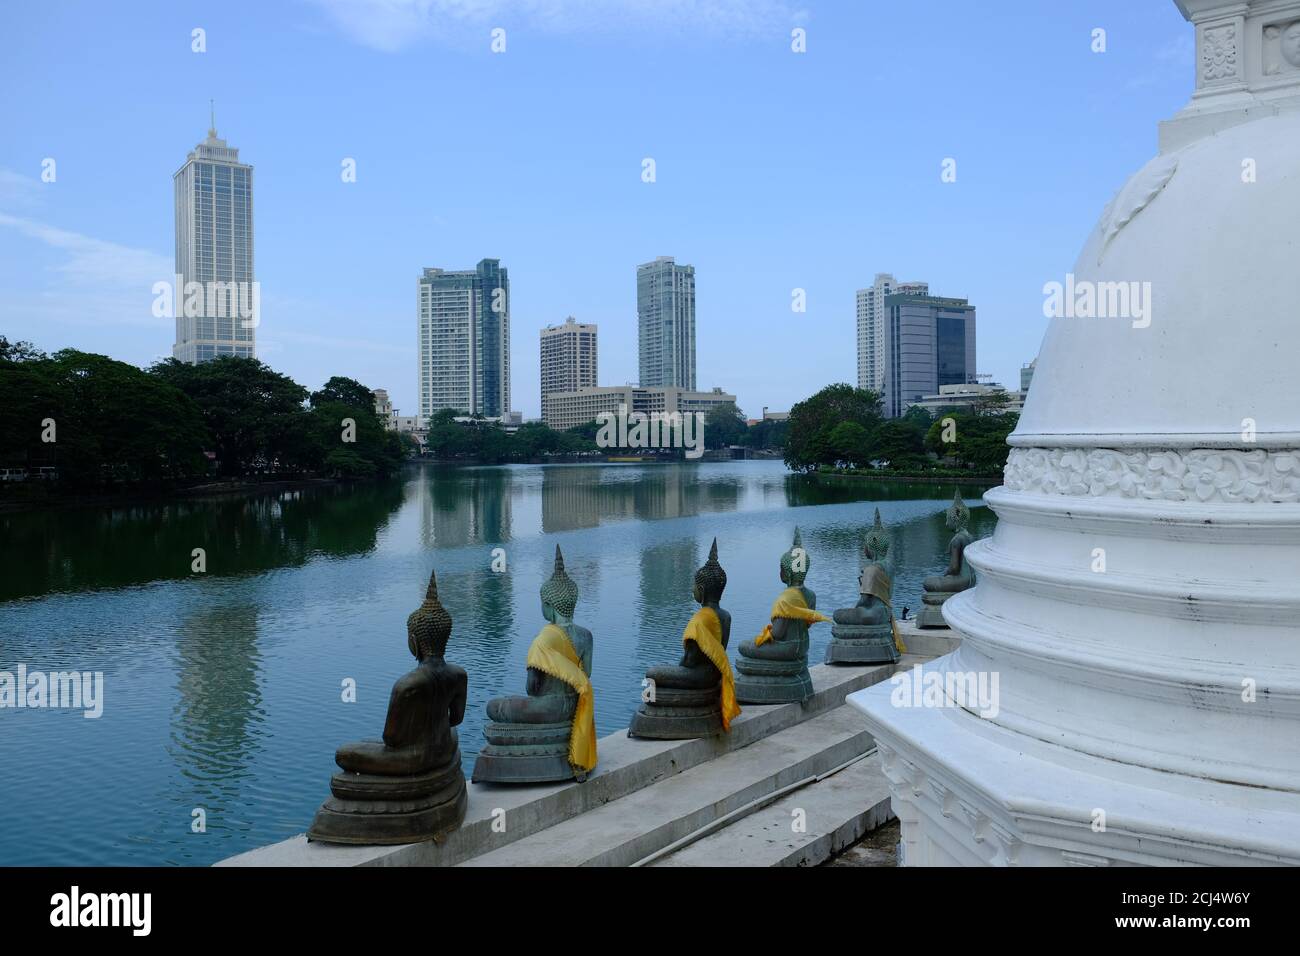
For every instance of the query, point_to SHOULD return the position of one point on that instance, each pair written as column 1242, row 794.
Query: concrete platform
column 630, row 829
column 837, row 812
column 499, row 815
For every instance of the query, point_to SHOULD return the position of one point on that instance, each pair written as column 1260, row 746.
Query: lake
column 223, row 689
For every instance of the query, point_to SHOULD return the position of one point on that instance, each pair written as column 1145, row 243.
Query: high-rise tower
column 665, row 306
column 214, row 248
column 464, row 340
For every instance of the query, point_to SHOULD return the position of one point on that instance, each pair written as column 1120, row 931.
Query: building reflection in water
column 572, row 500
column 219, row 708
column 462, row 506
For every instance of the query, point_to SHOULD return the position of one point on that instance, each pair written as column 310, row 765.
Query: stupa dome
column 1199, row 252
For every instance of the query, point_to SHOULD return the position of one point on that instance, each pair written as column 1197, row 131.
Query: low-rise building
column 967, row 396
column 565, row 410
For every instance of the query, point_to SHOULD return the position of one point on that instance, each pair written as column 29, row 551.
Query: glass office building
column 665, row 308
column 929, row 342
column 464, row 340
column 214, row 248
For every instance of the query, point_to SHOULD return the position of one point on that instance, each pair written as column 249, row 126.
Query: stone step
column 626, row 766
column 836, row 811
column 637, row 825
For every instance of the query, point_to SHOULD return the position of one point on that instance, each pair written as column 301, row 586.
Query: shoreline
column 992, row 480
column 239, row 486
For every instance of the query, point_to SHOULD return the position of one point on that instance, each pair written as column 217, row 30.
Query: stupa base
column 969, row 793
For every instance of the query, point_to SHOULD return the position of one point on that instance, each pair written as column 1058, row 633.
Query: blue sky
column 775, row 170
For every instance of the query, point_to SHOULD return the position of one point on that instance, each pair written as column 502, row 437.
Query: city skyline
column 759, row 186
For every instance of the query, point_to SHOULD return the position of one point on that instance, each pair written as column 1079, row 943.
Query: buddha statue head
column 710, row 579
column 429, row 625
column 958, row 513
column 877, row 543
column 795, row 563
column 559, row 593
column 1291, row 44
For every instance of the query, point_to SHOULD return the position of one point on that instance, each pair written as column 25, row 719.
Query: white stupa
column 1139, row 601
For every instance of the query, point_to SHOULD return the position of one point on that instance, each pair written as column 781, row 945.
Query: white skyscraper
column 214, row 247
column 665, row 306
column 872, row 358
column 464, row 340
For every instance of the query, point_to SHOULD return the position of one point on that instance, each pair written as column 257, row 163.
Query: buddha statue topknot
column 866, row 633
column 550, row 734
column 409, row 786
column 773, row 667
column 957, row 578
column 695, row 697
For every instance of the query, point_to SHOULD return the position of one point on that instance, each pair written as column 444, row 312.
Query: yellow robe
column 553, row 653
column 792, row 606
column 705, row 629
column 880, row 587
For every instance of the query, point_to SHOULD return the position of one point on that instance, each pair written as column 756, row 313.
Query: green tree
column 115, row 423
column 850, row 444
column 724, row 425
column 341, row 436
column 254, row 415
column 977, row 441
column 808, row 440
column 899, row 443
column 346, row 391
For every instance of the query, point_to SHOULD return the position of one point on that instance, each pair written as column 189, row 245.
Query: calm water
column 223, row 689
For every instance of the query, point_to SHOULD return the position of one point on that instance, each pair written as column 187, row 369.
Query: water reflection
column 460, row 506
column 78, row 549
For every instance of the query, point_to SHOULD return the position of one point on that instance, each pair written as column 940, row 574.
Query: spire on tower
column 212, row 120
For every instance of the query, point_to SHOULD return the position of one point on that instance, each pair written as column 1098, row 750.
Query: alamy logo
column 624, row 429
column 976, row 692
column 103, row 909
column 1086, row 299
column 210, row 300
column 76, row 690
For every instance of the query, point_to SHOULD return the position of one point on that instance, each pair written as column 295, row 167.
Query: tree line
column 101, row 422
column 841, row 427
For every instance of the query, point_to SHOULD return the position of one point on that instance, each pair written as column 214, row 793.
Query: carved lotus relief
column 1229, row 475
column 1219, row 52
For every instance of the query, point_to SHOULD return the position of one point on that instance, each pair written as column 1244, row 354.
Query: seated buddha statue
column 958, row 577
column 550, row 733
column 695, row 697
column 773, row 667
column 409, row 786
column 866, row 633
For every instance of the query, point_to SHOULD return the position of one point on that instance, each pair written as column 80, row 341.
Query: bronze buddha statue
column 696, row 696
column 549, row 734
column 409, row 786
column 866, row 633
column 773, row 667
column 957, row 578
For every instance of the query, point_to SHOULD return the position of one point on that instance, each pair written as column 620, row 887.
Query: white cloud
column 391, row 25
column 96, row 262
column 18, row 191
